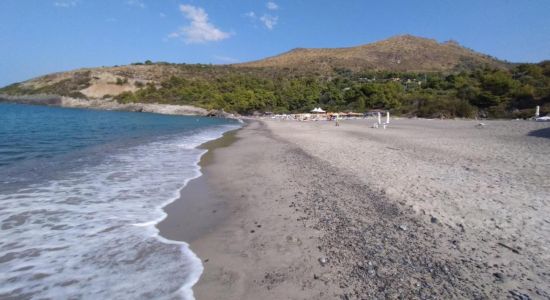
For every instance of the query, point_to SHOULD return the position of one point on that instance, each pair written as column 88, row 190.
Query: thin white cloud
column 226, row 59
column 269, row 21
column 136, row 3
column 162, row 15
column 65, row 3
column 250, row 14
column 272, row 5
column 200, row 30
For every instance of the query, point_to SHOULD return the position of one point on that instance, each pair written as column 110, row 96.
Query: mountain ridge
column 309, row 68
column 401, row 53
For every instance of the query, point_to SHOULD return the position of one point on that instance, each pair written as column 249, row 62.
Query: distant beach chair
column 379, row 123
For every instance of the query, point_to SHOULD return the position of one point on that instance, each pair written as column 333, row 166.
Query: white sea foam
column 92, row 234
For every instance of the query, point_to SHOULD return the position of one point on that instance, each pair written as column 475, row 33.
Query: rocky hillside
column 400, row 54
column 107, row 82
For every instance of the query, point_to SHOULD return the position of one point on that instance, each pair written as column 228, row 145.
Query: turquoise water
column 29, row 132
column 81, row 192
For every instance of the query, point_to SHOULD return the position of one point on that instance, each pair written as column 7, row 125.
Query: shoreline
column 190, row 215
column 164, row 109
column 113, row 105
column 228, row 248
column 163, row 232
column 119, row 192
column 193, row 205
column 299, row 220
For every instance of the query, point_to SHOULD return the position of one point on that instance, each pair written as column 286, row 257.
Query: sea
column 80, row 194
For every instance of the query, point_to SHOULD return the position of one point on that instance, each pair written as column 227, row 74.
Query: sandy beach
column 423, row 209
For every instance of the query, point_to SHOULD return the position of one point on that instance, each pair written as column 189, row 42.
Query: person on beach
column 336, row 122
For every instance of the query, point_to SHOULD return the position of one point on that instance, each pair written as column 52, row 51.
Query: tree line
column 483, row 92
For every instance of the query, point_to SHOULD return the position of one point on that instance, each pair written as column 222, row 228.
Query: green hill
column 408, row 75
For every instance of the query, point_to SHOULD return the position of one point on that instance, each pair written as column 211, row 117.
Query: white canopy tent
column 318, row 110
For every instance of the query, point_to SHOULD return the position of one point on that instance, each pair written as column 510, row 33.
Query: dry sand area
column 424, row 209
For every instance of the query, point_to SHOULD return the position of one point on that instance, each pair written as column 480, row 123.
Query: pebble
column 519, row 296
column 403, row 227
column 499, row 276
column 323, row 261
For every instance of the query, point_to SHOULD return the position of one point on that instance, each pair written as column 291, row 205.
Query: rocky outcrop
column 32, row 99
column 167, row 109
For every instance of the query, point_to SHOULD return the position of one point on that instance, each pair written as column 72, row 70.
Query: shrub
column 121, row 81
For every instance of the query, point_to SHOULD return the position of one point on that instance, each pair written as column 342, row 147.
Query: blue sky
column 43, row 36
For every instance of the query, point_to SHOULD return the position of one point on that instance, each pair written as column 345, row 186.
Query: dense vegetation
column 483, row 92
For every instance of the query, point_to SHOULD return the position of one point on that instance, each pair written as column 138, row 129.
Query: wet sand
column 199, row 209
column 424, row 209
